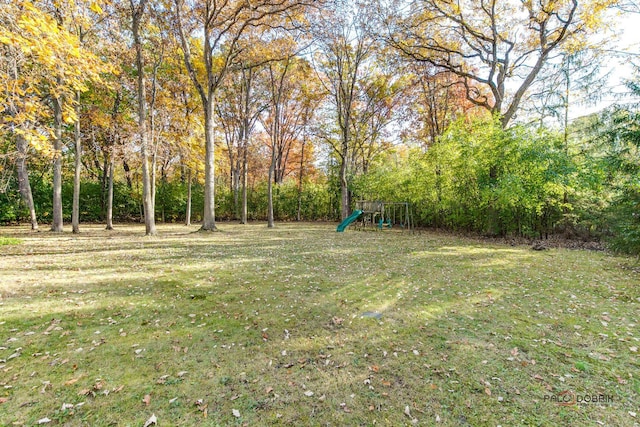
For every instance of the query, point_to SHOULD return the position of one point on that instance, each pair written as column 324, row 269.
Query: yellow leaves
column 95, row 7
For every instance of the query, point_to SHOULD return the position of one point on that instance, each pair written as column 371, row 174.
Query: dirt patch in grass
column 262, row 326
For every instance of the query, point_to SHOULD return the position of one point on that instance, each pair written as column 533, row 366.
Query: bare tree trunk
column 23, row 179
column 57, row 224
column 299, row 214
column 154, row 173
column 344, row 191
column 188, row 214
column 110, row 196
column 236, row 191
column 208, row 219
column 245, row 174
column 75, row 211
column 270, row 221
column 147, row 197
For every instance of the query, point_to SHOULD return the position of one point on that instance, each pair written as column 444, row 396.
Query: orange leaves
column 72, row 380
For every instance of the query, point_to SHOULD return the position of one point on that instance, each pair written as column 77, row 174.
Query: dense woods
column 295, row 109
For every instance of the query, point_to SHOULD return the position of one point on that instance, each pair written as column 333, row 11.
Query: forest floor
column 300, row 325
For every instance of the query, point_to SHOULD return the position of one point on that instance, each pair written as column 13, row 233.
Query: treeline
column 316, row 203
column 523, row 181
column 478, row 177
column 294, row 110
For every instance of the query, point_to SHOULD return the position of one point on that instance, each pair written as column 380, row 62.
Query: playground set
column 383, row 215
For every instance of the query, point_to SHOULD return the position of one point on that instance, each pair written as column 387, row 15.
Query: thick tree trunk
column 270, row 221
column 110, row 197
column 208, row 219
column 75, row 211
column 188, row 213
column 245, row 173
column 23, row 179
column 147, row 196
column 57, row 224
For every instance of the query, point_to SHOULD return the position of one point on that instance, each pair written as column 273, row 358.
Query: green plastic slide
column 344, row 224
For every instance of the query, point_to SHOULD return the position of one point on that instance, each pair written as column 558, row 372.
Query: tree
column 137, row 14
column 223, row 25
column 39, row 32
column 240, row 103
column 344, row 47
column 497, row 47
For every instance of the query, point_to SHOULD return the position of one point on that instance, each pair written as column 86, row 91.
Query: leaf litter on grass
column 460, row 319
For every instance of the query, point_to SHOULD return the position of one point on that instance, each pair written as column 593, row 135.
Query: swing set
column 385, row 215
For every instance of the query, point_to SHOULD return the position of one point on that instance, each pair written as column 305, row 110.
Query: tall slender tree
column 137, row 15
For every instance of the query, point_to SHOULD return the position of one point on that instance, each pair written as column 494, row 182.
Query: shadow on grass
column 256, row 321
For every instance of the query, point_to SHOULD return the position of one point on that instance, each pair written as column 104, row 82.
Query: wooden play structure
column 385, row 215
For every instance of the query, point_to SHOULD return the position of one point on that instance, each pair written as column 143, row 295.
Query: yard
column 300, row 325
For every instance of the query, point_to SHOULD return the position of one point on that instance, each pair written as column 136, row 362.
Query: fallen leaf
column 151, row 421
column 407, row 411
column 4, row 399
column 147, row 399
column 487, row 391
column 72, row 381
column 374, row 368
column 633, row 349
column 268, row 390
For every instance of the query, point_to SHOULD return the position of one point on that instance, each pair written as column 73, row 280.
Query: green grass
column 9, row 241
column 269, row 323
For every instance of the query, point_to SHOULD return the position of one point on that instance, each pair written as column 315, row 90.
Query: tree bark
column 245, row 173
column 300, row 177
column 57, row 224
column 23, row 179
column 110, row 197
column 208, row 219
column 344, row 191
column 188, row 213
column 75, row 211
column 147, row 197
column 270, row 220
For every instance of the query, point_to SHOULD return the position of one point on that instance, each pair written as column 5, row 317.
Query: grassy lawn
column 301, row 325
